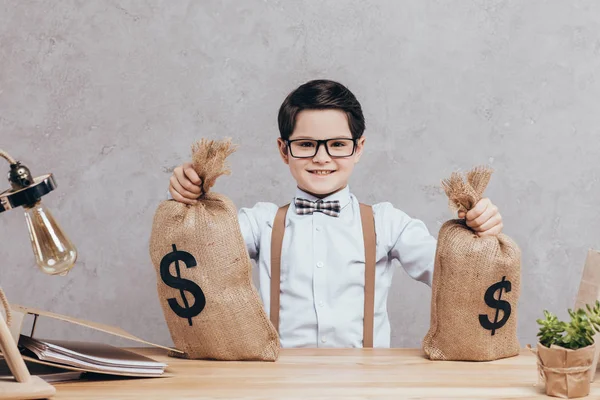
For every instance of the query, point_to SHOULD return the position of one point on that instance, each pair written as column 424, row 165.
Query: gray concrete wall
column 109, row 96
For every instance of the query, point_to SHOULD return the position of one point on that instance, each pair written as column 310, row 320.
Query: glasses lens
column 340, row 147
column 303, row 148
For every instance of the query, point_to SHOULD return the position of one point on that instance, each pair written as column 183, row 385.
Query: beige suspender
column 368, row 226
column 276, row 243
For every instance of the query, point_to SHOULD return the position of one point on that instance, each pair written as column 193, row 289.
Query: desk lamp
column 54, row 255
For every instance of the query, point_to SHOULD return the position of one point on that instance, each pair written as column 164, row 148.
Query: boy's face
column 321, row 125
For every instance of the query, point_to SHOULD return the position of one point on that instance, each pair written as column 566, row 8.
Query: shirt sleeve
column 407, row 240
column 252, row 222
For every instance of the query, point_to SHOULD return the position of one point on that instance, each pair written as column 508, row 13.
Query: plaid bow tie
column 331, row 208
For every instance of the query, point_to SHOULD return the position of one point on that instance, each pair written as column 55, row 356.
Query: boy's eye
column 306, row 144
column 338, row 144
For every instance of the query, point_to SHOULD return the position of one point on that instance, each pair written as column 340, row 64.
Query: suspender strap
column 276, row 243
column 368, row 227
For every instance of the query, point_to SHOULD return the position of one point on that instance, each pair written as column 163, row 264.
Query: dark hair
column 318, row 95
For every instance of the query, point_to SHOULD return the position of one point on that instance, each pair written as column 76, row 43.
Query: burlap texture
column 233, row 324
column 466, row 267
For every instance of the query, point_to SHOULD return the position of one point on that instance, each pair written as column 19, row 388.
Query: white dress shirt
column 323, row 265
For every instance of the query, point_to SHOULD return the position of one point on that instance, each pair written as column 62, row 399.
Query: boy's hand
column 484, row 218
column 184, row 184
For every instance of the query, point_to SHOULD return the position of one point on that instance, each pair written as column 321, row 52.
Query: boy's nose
column 321, row 155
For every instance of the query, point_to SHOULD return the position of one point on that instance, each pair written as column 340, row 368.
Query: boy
column 322, row 264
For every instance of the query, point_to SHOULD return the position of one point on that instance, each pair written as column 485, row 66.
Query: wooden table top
column 325, row 373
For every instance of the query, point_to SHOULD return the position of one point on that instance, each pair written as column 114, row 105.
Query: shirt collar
column 343, row 196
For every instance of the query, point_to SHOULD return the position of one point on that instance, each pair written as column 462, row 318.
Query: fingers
column 482, row 219
column 175, row 185
column 492, row 232
column 176, row 196
column 462, row 215
column 490, row 224
column 479, row 209
column 191, row 174
column 184, row 184
column 187, row 178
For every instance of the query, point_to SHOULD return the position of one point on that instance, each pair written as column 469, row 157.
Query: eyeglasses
column 308, row 148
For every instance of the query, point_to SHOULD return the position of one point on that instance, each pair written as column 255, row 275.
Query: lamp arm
column 10, row 351
column 19, row 175
column 7, row 157
column 6, row 306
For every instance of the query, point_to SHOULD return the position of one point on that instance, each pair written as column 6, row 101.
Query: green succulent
column 577, row 333
column 551, row 329
column 594, row 315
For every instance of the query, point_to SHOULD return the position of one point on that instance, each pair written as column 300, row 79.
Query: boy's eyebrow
column 312, row 138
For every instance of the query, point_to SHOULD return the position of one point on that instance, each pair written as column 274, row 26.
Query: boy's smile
column 321, row 174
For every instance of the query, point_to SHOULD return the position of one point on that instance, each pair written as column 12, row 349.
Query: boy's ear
column 360, row 144
column 283, row 150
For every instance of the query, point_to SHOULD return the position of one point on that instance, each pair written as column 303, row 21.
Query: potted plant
column 565, row 351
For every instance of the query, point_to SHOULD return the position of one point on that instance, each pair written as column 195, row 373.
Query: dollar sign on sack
column 176, row 282
column 498, row 304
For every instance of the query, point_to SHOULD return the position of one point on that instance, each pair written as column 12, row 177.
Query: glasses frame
column 319, row 143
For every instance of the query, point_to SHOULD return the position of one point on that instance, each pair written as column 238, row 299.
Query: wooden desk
column 323, row 373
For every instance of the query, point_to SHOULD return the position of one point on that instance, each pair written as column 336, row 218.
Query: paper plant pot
column 565, row 371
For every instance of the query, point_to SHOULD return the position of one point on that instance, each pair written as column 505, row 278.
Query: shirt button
column 323, row 339
column 321, row 304
column 319, row 264
column 318, row 228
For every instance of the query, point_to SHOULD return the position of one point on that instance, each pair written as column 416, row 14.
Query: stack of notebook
column 91, row 357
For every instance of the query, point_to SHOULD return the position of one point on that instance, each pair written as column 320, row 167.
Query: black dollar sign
column 177, row 282
column 491, row 301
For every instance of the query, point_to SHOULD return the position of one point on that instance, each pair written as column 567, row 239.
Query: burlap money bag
column 204, row 278
column 476, row 284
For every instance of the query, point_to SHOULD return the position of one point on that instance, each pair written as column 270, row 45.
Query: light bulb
column 54, row 252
